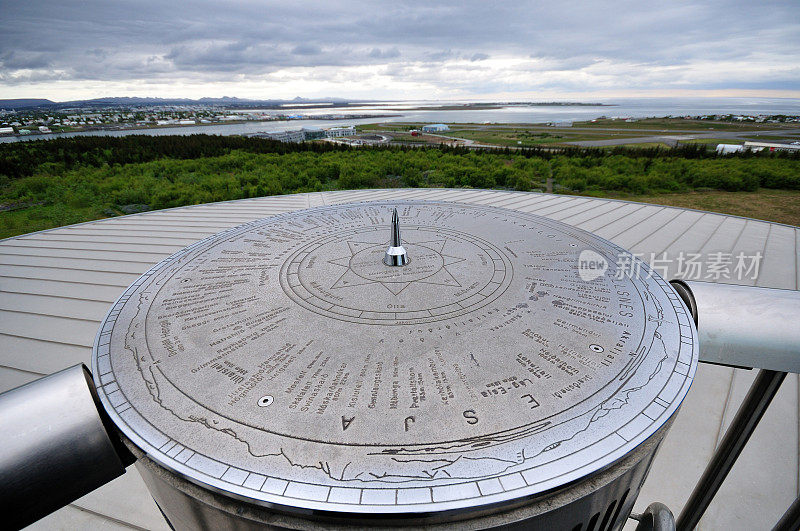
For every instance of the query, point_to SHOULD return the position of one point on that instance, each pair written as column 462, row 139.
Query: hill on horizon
column 26, row 103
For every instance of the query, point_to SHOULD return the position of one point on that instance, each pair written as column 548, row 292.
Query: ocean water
column 407, row 112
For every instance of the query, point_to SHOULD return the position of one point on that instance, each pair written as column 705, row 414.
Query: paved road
column 542, row 127
column 487, row 127
column 669, row 137
column 673, row 139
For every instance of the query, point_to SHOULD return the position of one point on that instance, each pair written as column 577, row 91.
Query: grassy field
column 771, row 138
column 646, row 145
column 59, row 182
column 388, row 126
column 506, row 136
column 713, row 141
column 527, row 138
column 515, row 137
column 782, row 206
column 660, row 124
column 533, row 135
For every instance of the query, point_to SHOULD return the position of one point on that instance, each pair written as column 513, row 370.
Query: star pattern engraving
column 442, row 277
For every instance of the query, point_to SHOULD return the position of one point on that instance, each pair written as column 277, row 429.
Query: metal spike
column 396, row 254
column 395, row 229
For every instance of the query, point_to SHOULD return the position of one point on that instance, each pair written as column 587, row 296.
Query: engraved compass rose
column 428, row 265
column 367, row 274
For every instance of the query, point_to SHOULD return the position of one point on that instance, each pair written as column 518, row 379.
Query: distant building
column 562, row 123
column 298, row 135
column 312, row 133
column 6, row 130
column 336, row 132
column 307, row 133
column 724, row 149
column 435, row 128
column 772, row 146
column 44, row 129
column 186, row 122
column 287, row 136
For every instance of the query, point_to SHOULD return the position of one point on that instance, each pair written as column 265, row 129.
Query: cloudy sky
column 66, row 50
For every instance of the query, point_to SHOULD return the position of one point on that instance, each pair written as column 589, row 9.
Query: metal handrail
column 758, row 398
column 790, row 521
column 727, row 338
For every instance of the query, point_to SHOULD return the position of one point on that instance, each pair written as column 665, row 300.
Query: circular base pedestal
column 602, row 501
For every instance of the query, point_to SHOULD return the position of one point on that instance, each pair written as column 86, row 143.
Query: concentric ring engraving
column 281, row 362
column 466, row 271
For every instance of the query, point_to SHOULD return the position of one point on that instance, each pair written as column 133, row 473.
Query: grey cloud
column 203, row 40
column 31, row 77
column 576, row 62
column 391, row 53
column 24, row 60
column 306, row 49
column 99, row 53
column 439, row 56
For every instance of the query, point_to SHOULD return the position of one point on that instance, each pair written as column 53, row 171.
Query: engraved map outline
column 106, row 398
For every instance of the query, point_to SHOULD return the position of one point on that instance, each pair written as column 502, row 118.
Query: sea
column 417, row 111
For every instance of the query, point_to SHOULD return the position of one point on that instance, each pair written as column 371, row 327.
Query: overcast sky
column 66, row 50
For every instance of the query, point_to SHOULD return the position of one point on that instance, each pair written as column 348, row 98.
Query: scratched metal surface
column 282, row 361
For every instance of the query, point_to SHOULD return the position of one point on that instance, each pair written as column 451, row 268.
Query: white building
column 340, row 131
column 6, row 130
column 771, row 146
column 724, row 149
column 435, row 128
column 186, row 122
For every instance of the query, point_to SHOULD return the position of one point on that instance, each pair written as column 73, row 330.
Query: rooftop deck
column 56, row 286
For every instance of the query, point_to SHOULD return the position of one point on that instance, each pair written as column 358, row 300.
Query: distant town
column 22, row 117
column 32, row 122
column 382, row 122
column 37, row 121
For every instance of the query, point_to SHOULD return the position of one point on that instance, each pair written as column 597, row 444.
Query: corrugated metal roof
column 56, row 285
